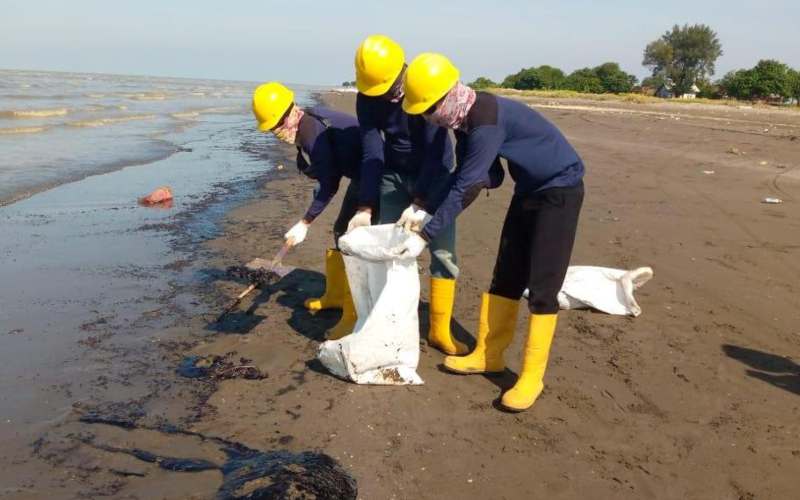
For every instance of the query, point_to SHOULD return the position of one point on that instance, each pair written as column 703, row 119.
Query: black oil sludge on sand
column 219, row 368
column 247, row 473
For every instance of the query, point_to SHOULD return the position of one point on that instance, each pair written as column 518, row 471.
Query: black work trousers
column 536, row 246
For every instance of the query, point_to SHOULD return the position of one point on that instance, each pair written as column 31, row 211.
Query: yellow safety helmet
column 270, row 102
column 428, row 78
column 379, row 61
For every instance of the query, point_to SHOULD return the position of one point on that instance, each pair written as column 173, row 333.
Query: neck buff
column 288, row 131
column 452, row 110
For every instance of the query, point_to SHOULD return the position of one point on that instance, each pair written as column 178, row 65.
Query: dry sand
column 697, row 398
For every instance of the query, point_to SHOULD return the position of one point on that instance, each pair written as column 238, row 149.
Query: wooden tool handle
column 281, row 253
column 246, row 291
column 236, row 302
column 275, row 262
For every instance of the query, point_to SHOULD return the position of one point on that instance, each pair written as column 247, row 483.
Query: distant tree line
column 767, row 80
column 606, row 78
column 682, row 58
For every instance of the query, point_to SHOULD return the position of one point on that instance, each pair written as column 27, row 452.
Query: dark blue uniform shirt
column 538, row 155
column 329, row 145
column 393, row 139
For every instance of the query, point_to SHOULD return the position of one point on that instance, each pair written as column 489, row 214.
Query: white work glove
column 412, row 247
column 413, row 219
column 297, row 234
column 361, row 218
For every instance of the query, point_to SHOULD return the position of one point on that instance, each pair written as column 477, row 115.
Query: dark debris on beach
column 247, row 473
column 219, row 368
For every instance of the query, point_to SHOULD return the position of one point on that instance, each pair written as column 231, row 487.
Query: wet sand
column 100, row 299
column 697, row 398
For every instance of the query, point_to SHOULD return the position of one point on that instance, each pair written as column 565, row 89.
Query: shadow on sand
column 290, row 291
column 777, row 370
column 503, row 380
column 300, row 284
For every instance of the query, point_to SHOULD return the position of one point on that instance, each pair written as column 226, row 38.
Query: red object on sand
column 159, row 196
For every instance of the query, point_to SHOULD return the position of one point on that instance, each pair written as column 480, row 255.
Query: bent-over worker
column 328, row 148
column 539, row 229
column 399, row 151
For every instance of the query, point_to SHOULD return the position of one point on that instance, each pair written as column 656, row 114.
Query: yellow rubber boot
column 348, row 320
column 541, row 328
column 443, row 293
column 495, row 332
column 335, row 284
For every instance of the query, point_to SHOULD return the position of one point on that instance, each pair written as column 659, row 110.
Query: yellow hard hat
column 379, row 61
column 270, row 102
column 428, row 78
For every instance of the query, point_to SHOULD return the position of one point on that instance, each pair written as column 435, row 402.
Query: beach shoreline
column 25, row 192
column 677, row 403
column 614, row 419
column 101, row 298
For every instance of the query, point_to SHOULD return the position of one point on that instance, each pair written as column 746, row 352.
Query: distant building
column 692, row 92
column 665, row 92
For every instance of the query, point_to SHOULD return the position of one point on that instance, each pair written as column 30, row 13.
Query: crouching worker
column 328, row 148
column 406, row 162
column 539, row 229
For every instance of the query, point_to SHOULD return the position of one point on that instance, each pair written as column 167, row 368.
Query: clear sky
column 304, row 41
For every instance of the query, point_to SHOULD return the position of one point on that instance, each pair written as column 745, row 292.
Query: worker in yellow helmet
column 398, row 152
column 328, row 148
column 540, row 225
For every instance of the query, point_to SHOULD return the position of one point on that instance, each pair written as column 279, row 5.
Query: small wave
column 148, row 96
column 220, row 110
column 101, row 122
column 33, row 113
column 96, row 108
column 22, row 130
column 195, row 113
column 28, row 97
column 186, row 115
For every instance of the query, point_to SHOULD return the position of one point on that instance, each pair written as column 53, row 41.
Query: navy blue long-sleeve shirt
column 330, row 152
column 393, row 139
column 538, row 155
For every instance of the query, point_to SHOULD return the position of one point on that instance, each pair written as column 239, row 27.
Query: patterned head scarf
column 453, row 108
column 288, row 130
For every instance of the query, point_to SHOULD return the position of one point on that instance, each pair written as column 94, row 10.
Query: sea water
column 79, row 258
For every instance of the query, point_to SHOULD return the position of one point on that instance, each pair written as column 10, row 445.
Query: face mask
column 287, row 132
column 452, row 110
